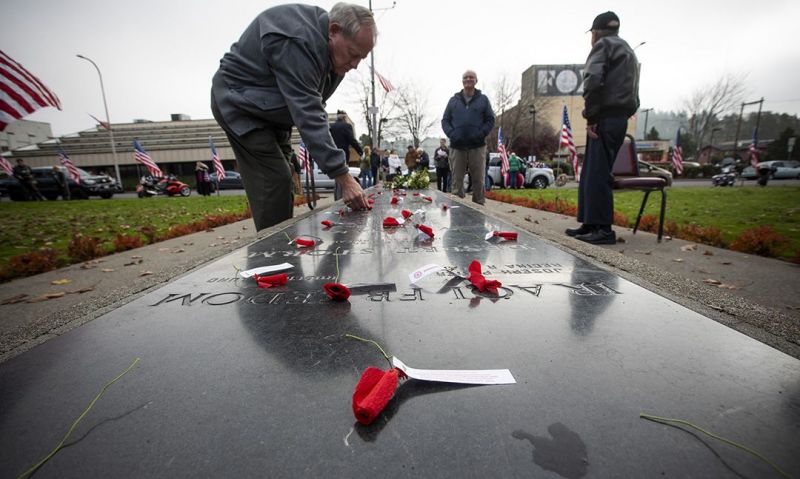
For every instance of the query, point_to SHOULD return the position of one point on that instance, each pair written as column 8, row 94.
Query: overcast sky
column 158, row 56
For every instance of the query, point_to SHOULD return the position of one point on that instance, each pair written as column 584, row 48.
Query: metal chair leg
column 663, row 210
column 641, row 210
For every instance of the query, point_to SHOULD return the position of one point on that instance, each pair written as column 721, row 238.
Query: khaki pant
column 475, row 161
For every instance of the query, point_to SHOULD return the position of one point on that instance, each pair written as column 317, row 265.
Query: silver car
column 321, row 180
column 538, row 178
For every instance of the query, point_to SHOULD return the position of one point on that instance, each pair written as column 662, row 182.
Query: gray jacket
column 610, row 80
column 279, row 74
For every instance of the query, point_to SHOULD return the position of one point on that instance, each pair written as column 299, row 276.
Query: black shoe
column 599, row 237
column 582, row 230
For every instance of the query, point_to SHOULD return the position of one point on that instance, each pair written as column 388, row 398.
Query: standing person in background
column 24, row 175
column 411, row 159
column 366, row 171
column 395, row 165
column 375, row 164
column 344, row 137
column 62, row 182
column 280, row 73
column 611, row 96
column 424, row 160
column 442, row 159
column 514, row 166
column 202, row 178
column 296, row 169
column 467, row 121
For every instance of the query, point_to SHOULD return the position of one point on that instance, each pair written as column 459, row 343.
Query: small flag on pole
column 568, row 143
column 501, row 148
column 142, row 157
column 386, row 84
column 677, row 155
column 21, row 93
column 753, row 148
column 104, row 124
column 71, row 168
column 215, row 160
column 303, row 156
column 6, row 166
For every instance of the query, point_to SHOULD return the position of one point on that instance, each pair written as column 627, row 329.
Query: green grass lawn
column 732, row 210
column 29, row 226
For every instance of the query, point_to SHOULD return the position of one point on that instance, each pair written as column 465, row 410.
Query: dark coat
column 344, row 138
column 468, row 124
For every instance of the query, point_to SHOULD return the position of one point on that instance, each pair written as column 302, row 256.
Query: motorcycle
column 170, row 186
column 726, row 178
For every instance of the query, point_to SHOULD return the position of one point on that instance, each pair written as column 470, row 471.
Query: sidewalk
column 763, row 302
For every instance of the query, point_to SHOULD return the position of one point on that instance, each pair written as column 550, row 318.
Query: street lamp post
column 108, row 119
column 646, row 112
column 711, row 143
column 532, row 111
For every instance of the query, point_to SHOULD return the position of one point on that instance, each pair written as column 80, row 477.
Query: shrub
column 84, row 248
column 126, row 242
column 707, row 235
column 29, row 264
column 649, row 223
column 763, row 241
column 149, row 232
column 619, row 219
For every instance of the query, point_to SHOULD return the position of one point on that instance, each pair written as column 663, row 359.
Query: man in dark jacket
column 442, row 158
column 279, row 74
column 467, row 121
column 611, row 96
column 24, row 175
column 343, row 136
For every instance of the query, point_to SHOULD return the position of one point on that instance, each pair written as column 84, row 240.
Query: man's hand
column 352, row 194
column 591, row 130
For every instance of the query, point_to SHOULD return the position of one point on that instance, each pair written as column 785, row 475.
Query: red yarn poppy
column 373, row 392
column 479, row 280
column 416, row 193
column 406, row 214
column 444, row 207
column 427, row 198
column 371, row 201
column 394, row 200
column 336, row 291
column 304, row 243
column 425, row 229
column 509, row 235
column 264, row 281
column 327, row 223
column 390, row 222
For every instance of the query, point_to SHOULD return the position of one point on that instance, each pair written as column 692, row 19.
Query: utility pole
column 108, row 119
column 739, row 124
column 373, row 110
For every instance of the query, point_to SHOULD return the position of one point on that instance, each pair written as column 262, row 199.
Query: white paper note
column 420, row 273
column 265, row 269
column 461, row 376
column 489, row 235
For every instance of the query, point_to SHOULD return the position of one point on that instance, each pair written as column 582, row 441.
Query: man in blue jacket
column 279, row 74
column 467, row 121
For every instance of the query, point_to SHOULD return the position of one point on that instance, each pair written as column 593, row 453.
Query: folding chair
column 627, row 177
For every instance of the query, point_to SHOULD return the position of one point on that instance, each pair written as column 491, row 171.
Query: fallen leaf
column 726, row 262
column 689, row 247
column 212, row 244
column 703, row 271
column 45, row 297
column 642, row 252
column 145, row 273
column 136, row 257
column 188, row 243
column 512, row 211
column 60, row 281
column 244, row 227
column 668, row 238
column 130, row 264
column 728, row 286
column 620, row 239
column 161, row 250
column 87, row 266
column 712, row 281
column 179, row 250
column 220, row 237
column 677, row 260
column 527, row 218
column 15, row 299
column 107, row 270
column 81, row 290
column 707, row 253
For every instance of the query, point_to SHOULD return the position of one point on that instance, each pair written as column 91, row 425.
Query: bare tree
column 710, row 102
column 387, row 103
column 414, row 117
column 513, row 111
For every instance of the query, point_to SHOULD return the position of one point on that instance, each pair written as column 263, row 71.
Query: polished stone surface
column 236, row 381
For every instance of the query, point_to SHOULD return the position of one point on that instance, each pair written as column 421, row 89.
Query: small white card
column 489, row 235
column 419, row 212
column 461, row 376
column 265, row 269
column 426, row 270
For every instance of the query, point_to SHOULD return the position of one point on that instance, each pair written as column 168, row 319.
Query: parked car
column 321, row 180
column 782, row 169
column 90, row 185
column 646, row 169
column 750, row 173
column 232, row 181
column 535, row 177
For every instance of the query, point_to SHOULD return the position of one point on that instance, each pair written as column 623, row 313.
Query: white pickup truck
column 534, row 177
column 321, row 180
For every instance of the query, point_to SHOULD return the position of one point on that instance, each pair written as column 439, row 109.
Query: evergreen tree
column 652, row 134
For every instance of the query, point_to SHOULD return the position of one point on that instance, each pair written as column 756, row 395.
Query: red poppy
column 479, row 280
column 264, row 281
column 336, row 291
column 371, row 201
column 394, row 200
column 406, row 214
column 425, row 229
column 508, row 235
column 373, row 392
column 444, row 207
column 416, row 193
column 427, row 198
column 327, row 223
column 304, row 243
column 390, row 222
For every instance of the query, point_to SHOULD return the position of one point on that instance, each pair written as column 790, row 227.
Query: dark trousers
column 443, row 178
column 31, row 191
column 263, row 159
column 595, row 195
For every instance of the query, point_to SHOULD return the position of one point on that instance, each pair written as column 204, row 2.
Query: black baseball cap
column 605, row 21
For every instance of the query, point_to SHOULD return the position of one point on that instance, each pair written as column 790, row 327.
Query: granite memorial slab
column 239, row 381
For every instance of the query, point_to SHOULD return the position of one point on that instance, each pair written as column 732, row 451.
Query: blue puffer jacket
column 468, row 124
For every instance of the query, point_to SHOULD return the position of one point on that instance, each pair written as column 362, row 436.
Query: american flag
column 501, row 148
column 677, row 155
column 754, row 149
column 216, row 161
column 21, row 93
column 104, row 124
column 568, row 142
column 303, row 156
column 386, row 84
column 73, row 171
column 6, row 166
column 142, row 157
